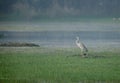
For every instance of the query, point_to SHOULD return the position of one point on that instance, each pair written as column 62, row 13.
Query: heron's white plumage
column 81, row 46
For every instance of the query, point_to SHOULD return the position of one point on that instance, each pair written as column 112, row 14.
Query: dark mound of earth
column 17, row 44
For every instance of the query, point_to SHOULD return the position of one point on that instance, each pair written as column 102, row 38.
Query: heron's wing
column 84, row 47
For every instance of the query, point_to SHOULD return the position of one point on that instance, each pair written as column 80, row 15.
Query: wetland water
column 62, row 34
column 63, row 38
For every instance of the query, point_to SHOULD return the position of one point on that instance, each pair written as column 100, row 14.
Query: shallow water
column 62, row 34
column 64, row 38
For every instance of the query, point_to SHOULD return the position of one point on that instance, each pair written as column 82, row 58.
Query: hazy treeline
column 56, row 8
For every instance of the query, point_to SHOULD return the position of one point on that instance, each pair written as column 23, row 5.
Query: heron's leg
column 85, row 53
column 82, row 53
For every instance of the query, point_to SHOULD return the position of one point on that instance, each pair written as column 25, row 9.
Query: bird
column 83, row 48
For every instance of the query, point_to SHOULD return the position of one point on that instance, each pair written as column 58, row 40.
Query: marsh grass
column 57, row 65
column 18, row 44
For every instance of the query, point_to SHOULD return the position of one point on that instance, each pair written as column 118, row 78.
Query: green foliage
column 18, row 44
column 32, row 9
column 57, row 65
column 1, row 35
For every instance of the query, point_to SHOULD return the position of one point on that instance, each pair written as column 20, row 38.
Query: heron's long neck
column 77, row 41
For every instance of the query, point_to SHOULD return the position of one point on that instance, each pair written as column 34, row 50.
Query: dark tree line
column 53, row 8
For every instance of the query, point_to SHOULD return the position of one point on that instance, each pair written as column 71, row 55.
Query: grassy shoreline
column 62, row 65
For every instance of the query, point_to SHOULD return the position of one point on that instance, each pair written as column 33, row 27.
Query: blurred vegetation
column 17, row 44
column 1, row 35
column 40, row 9
column 58, row 65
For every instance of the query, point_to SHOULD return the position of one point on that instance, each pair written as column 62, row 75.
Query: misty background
column 96, row 22
column 40, row 9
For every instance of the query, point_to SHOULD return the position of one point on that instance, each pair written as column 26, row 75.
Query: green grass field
column 58, row 65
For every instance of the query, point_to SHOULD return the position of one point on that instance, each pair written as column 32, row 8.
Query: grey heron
column 83, row 48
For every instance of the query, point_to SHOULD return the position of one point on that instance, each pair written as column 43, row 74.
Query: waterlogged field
column 58, row 65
